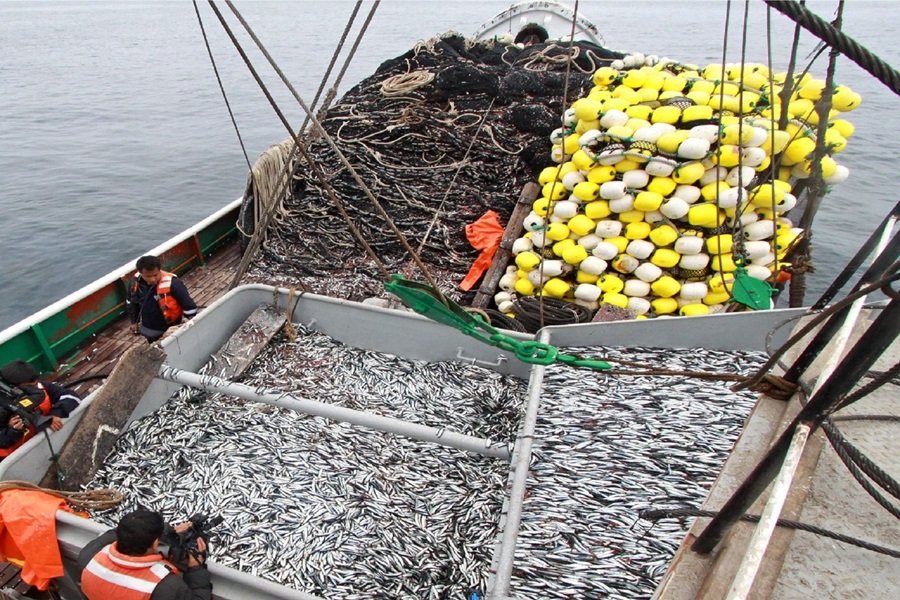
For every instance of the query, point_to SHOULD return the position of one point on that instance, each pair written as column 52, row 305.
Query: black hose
column 555, row 312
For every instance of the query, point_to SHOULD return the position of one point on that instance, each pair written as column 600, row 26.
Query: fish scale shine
column 324, row 507
column 608, row 446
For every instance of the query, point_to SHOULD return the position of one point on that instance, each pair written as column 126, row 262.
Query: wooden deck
column 99, row 356
column 11, row 580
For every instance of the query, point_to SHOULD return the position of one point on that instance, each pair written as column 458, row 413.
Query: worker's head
column 18, row 372
column 138, row 532
column 150, row 269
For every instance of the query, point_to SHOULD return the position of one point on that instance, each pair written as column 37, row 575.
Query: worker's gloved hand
column 16, row 422
column 135, row 328
column 196, row 560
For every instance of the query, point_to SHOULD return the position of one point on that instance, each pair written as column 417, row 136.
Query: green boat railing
column 47, row 337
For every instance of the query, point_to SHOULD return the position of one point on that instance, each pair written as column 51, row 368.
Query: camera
column 183, row 545
column 19, row 403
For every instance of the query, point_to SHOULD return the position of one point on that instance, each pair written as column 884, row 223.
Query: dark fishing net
column 408, row 147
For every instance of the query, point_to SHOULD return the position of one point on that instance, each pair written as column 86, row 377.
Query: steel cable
column 655, row 514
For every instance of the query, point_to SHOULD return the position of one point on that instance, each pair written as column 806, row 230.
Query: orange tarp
column 28, row 534
column 485, row 235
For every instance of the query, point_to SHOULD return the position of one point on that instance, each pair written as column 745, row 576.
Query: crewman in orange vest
column 125, row 564
column 156, row 300
column 26, row 402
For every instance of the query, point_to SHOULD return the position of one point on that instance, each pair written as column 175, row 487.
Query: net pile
column 406, row 130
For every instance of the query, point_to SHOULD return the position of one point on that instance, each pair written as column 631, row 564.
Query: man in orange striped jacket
column 125, row 564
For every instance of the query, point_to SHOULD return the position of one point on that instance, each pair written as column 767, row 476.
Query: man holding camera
column 28, row 405
column 125, row 564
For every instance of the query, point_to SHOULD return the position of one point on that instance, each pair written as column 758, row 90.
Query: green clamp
column 750, row 291
column 424, row 300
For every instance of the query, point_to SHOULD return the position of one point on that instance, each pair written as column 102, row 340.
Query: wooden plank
column 501, row 257
column 8, row 572
column 247, row 342
column 96, row 433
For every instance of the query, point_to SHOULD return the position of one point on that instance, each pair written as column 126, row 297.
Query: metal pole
column 877, row 338
column 756, row 549
column 506, row 552
column 883, row 260
column 442, row 436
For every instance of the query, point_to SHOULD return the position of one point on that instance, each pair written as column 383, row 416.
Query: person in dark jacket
column 125, row 564
column 156, row 300
column 29, row 396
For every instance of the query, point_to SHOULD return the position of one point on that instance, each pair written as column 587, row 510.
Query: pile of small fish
column 437, row 157
column 605, row 448
column 328, row 508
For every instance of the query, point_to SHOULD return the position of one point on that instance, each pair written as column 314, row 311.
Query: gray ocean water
column 114, row 136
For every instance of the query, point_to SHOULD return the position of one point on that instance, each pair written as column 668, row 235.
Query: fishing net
column 406, row 130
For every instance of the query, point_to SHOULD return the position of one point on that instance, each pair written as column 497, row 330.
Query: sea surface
column 114, row 136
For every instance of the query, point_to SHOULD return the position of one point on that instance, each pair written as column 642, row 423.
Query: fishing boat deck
column 99, row 356
column 800, row 564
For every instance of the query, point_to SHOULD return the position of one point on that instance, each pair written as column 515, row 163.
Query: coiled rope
column 840, row 42
column 654, row 514
column 402, row 84
column 536, row 312
column 101, row 499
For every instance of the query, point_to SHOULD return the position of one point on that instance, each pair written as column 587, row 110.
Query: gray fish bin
column 568, row 524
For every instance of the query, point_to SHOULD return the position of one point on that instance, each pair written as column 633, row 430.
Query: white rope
column 266, row 178
column 404, row 83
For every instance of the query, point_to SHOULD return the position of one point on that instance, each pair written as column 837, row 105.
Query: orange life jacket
column 111, row 574
column 171, row 310
column 43, row 406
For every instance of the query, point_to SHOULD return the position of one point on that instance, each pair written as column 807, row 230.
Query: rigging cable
column 841, row 41
column 221, row 87
column 654, row 514
column 561, row 161
column 462, row 163
column 285, row 176
column 245, row 261
column 327, row 138
column 891, row 276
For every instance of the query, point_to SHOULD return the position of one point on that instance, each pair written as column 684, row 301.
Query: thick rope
column 654, row 514
column 867, row 465
column 340, row 77
column 266, row 182
column 221, row 87
column 878, row 380
column 816, row 189
column 334, row 55
column 839, row 41
column 102, row 499
column 860, row 478
column 888, row 418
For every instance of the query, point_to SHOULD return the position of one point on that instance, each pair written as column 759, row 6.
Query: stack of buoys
column 668, row 178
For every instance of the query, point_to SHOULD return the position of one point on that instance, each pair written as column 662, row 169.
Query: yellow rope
column 102, row 499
